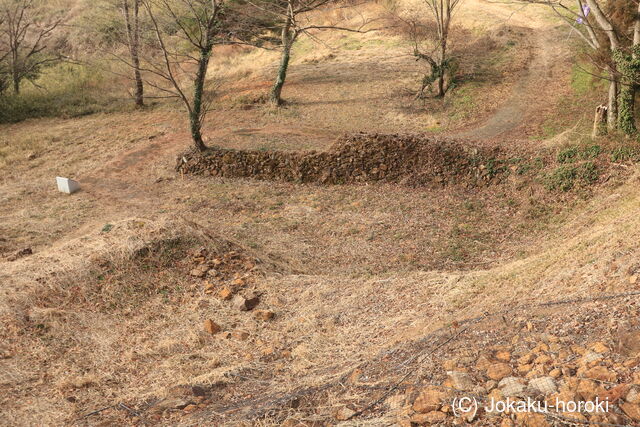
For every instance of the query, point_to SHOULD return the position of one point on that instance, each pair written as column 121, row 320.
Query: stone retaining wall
column 414, row 160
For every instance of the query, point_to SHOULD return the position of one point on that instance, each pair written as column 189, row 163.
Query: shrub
column 568, row 155
column 563, row 178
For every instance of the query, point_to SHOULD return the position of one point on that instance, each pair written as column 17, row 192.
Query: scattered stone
column 429, row 399
column 245, row 304
column 525, row 369
column 209, row 288
column 531, row 419
column 506, row 422
column 199, row 271
column 543, row 385
column 632, row 410
column 429, row 418
column 503, row 356
column 543, row 359
column 599, row 347
column 589, row 389
column 590, row 357
column 344, row 413
column 211, row 327
column 498, row 371
column 482, row 363
column 633, row 396
column 526, row 359
column 240, row 335
column 511, row 387
column 628, row 343
column 614, row 394
column 176, row 403
column 225, row 293
column 450, row 365
column 461, row 381
column 601, row 373
column 264, row 315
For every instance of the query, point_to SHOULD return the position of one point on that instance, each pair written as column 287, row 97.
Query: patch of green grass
column 65, row 90
column 581, row 80
column 303, row 46
column 562, row 178
column 567, row 155
column 590, row 152
column 566, row 177
column 588, row 172
column 572, row 154
column 495, row 167
column 625, row 153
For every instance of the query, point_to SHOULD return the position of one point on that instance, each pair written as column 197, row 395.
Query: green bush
column 567, row 155
column 590, row 152
column 565, row 177
column 588, row 172
column 625, row 153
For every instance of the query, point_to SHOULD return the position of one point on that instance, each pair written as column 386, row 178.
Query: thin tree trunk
column 440, row 92
column 612, row 107
column 443, row 60
column 627, row 97
column 16, row 84
column 628, row 92
column 15, row 74
column 287, row 42
column 133, row 36
column 276, row 91
column 626, row 110
column 196, row 114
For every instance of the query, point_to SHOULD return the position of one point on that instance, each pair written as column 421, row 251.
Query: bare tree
column 197, row 24
column 290, row 19
column 4, row 53
column 612, row 32
column 431, row 40
column 28, row 26
column 131, row 15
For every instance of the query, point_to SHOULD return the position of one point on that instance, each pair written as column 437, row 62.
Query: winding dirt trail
column 538, row 85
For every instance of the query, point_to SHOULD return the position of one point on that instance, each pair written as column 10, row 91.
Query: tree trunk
column 16, row 84
column 627, row 118
column 287, row 42
column 626, row 110
column 441, row 90
column 196, row 131
column 196, row 115
column 139, row 85
column 133, row 37
column 612, row 107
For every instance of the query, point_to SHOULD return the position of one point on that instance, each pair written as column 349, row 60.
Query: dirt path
column 537, row 86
